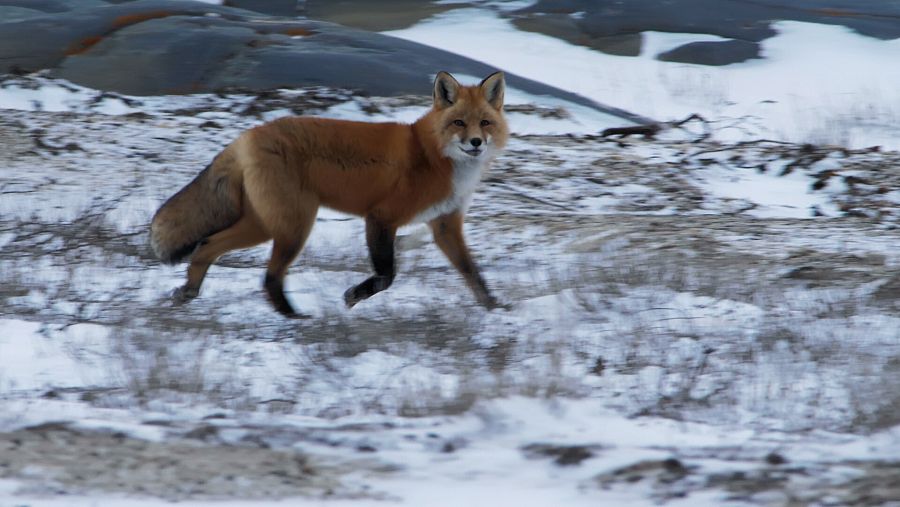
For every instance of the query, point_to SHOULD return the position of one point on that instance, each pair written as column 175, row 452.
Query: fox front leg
column 380, row 240
column 448, row 234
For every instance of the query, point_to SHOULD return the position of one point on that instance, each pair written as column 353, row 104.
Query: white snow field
column 694, row 321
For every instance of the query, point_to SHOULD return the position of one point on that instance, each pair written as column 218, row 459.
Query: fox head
column 469, row 119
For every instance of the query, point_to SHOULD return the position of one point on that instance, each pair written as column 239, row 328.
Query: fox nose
column 476, row 141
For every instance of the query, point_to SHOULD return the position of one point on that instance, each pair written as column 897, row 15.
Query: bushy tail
column 205, row 206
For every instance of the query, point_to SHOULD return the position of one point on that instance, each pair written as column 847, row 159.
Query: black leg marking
column 380, row 239
column 283, row 253
column 183, row 294
column 275, row 291
column 367, row 289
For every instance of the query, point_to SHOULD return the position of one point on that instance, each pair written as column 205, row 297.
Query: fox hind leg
column 290, row 230
column 283, row 254
column 380, row 240
column 246, row 232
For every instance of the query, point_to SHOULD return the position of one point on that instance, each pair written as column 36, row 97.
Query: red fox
column 270, row 182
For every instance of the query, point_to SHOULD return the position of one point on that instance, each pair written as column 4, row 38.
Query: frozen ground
column 693, row 322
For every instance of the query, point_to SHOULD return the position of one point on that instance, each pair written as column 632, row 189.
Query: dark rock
column 272, row 7
column 712, row 52
column 17, row 13
column 606, row 25
column 564, row 26
column 43, row 42
column 375, row 16
column 733, row 19
column 167, row 55
column 154, row 47
column 628, row 44
column 51, row 5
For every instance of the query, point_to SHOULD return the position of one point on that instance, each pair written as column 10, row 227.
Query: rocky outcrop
column 605, row 25
column 153, row 47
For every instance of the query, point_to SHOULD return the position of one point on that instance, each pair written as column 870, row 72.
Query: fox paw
column 350, row 297
column 183, row 294
column 493, row 304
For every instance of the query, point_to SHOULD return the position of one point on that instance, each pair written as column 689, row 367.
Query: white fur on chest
column 467, row 173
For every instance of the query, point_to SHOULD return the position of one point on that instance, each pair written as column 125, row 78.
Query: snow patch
column 855, row 103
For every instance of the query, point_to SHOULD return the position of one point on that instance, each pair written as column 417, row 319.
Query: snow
column 768, row 194
column 487, row 467
column 33, row 361
column 45, row 98
column 796, row 92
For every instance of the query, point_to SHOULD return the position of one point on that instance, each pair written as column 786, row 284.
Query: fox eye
column 485, row 123
column 459, row 123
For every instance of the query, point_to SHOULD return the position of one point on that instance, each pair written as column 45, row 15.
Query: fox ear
column 493, row 87
column 446, row 89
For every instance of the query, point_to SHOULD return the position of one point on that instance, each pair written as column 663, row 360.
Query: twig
column 649, row 130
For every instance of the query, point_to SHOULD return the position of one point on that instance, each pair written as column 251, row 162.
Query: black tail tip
column 175, row 256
